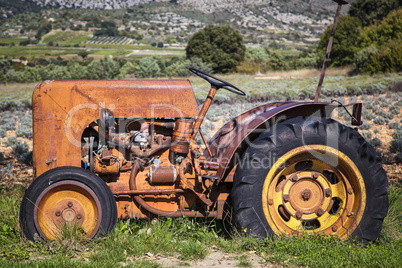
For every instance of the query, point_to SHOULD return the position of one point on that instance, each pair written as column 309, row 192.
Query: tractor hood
column 63, row 109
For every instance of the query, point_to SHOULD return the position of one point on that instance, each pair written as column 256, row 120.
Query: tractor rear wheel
column 310, row 175
column 67, row 197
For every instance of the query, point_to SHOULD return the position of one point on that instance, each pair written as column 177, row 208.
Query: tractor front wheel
column 65, row 198
column 311, row 175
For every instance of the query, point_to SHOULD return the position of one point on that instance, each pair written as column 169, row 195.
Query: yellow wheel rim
column 314, row 189
column 67, row 203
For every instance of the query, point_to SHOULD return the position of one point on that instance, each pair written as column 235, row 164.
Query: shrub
column 397, row 134
column 396, row 146
column 30, row 74
column 12, row 76
column 10, row 106
column 24, row 131
column 345, row 44
column 148, row 67
column 3, row 132
column 8, row 121
column 394, row 125
column 7, row 170
column 76, row 70
column 19, row 149
column 376, row 142
column 366, row 126
column 105, row 68
column 367, row 135
column 395, row 110
column 220, row 46
column 398, row 158
column 380, row 121
column 362, row 59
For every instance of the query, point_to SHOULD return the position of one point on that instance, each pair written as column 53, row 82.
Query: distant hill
column 288, row 22
column 206, row 6
column 92, row 4
column 10, row 8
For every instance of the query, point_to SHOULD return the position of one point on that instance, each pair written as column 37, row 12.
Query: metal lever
column 331, row 39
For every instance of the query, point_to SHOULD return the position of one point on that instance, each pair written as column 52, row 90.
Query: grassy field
column 9, row 40
column 298, row 85
column 36, row 51
column 166, row 242
column 187, row 242
column 64, row 38
column 30, row 52
column 95, row 49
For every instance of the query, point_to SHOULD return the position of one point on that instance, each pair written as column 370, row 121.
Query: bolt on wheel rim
column 314, row 189
column 67, row 203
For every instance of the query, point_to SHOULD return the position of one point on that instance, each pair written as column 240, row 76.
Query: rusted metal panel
column 63, row 109
column 234, row 137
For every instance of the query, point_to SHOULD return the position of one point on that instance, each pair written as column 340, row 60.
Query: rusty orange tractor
column 105, row 150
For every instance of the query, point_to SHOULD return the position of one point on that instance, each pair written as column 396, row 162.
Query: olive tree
column 220, row 46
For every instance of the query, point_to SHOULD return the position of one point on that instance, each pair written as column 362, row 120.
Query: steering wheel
column 216, row 82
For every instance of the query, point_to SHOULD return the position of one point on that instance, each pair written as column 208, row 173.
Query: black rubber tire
column 59, row 174
column 278, row 140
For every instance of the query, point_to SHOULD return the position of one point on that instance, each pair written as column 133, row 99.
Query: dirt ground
column 215, row 258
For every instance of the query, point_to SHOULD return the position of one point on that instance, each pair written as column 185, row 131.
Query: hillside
column 289, row 23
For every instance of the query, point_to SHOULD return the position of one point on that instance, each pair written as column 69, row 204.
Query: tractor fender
column 228, row 144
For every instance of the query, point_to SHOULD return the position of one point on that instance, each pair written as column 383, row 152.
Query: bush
column 148, row 67
column 8, row 121
column 127, row 68
column 363, row 59
column 397, row 134
column 345, row 43
column 376, row 142
column 395, row 110
column 24, row 131
column 394, row 125
column 396, row 146
column 398, row 158
column 12, row 76
column 3, row 132
column 366, row 126
column 380, row 121
column 30, row 74
column 220, row 46
column 367, row 135
column 76, row 70
column 20, row 149
column 10, row 106
column 372, row 11
column 105, row 68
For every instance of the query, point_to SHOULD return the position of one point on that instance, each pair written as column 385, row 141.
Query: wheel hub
column 305, row 193
column 68, row 215
column 68, row 211
column 67, row 202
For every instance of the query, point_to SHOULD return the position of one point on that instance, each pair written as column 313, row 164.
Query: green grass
column 95, row 49
column 134, row 47
column 113, row 52
column 9, row 40
column 138, row 243
column 36, row 51
column 118, row 46
column 134, row 243
column 296, row 88
column 67, row 38
column 17, row 92
column 30, row 52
